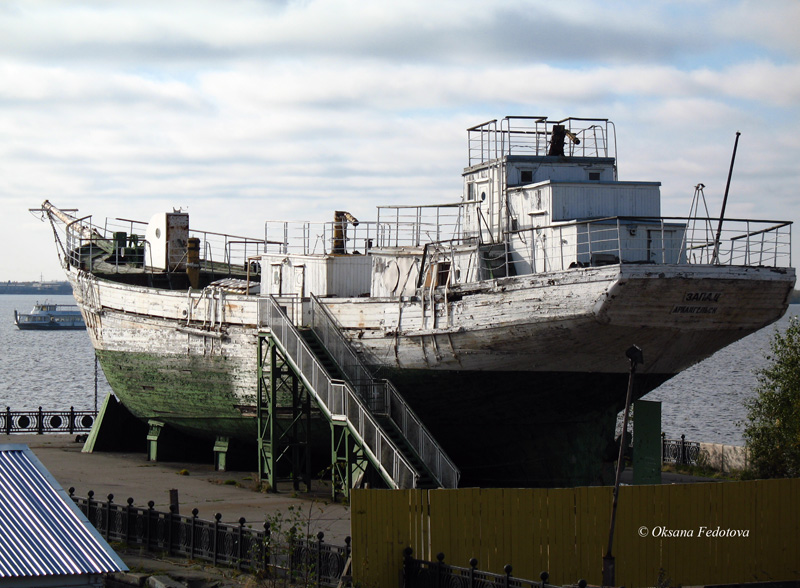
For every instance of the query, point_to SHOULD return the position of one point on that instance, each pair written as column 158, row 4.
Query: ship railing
column 532, row 135
column 382, row 396
column 416, row 225
column 122, row 237
column 609, row 241
column 122, row 244
column 322, row 238
column 222, row 253
column 668, row 240
column 340, row 402
column 659, row 241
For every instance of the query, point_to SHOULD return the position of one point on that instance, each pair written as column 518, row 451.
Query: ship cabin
column 538, row 196
column 543, row 196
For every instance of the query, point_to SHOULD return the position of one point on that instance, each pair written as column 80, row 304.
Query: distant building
column 40, row 288
column 45, row 540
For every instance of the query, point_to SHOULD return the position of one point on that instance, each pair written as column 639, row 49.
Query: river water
column 51, row 369
column 56, row 370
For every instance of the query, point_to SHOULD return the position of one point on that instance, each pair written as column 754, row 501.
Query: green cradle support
column 284, row 419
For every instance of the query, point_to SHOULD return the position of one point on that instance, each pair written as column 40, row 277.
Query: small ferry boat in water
column 480, row 342
column 52, row 317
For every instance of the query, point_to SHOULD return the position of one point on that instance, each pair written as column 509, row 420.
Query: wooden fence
column 693, row 534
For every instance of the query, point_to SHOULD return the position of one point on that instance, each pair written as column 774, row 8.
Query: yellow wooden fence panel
column 674, row 528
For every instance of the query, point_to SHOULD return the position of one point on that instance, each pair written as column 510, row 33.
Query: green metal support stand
column 221, row 446
column 154, row 432
column 264, row 412
column 283, row 431
column 348, row 460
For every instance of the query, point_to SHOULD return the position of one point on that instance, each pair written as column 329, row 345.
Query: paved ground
column 232, row 494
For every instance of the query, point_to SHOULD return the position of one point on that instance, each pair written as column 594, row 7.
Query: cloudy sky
column 246, row 110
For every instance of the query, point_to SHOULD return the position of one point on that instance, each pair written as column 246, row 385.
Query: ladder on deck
column 370, row 421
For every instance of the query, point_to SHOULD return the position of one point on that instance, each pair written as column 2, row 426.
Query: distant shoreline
column 43, row 288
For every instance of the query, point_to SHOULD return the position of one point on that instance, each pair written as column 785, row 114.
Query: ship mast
column 715, row 257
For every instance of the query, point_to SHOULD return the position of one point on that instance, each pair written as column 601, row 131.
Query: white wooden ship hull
column 532, row 362
column 572, row 320
column 523, row 381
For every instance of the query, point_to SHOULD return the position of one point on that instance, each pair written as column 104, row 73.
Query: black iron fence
column 419, row 573
column 305, row 560
column 679, row 451
column 47, row 421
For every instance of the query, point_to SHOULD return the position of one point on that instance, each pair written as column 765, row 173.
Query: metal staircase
column 371, row 411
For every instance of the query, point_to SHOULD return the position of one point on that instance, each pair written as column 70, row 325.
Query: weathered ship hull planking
column 575, row 321
column 537, row 364
column 187, row 360
column 194, row 394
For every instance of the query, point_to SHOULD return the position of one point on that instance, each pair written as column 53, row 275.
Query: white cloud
column 770, row 24
column 248, row 110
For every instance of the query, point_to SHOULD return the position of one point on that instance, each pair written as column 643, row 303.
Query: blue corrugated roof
column 42, row 531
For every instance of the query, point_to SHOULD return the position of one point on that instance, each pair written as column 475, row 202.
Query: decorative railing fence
column 679, row 451
column 46, row 421
column 309, row 560
column 419, row 573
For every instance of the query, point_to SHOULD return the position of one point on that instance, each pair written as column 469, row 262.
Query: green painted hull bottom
column 193, row 394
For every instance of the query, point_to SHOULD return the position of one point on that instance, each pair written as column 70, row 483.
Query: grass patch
column 701, row 471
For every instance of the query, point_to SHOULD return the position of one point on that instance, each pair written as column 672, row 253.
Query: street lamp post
column 634, row 355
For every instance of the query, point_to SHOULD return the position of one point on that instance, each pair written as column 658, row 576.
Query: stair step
column 386, row 424
column 391, row 430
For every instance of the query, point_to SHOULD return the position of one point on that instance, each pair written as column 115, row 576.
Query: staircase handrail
column 390, row 402
column 339, row 402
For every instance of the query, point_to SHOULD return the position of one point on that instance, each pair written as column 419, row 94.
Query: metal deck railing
column 219, row 252
column 413, row 226
column 307, row 238
column 396, row 226
column 122, row 244
column 532, row 135
column 614, row 240
column 659, row 241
